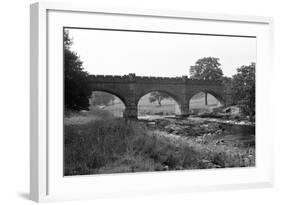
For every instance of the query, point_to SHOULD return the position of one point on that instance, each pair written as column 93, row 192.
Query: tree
column 76, row 86
column 207, row 68
column 243, row 89
column 157, row 96
column 102, row 98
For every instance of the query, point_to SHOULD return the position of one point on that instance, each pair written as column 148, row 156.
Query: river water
column 245, row 134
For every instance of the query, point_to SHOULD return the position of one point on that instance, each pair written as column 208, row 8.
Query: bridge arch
column 117, row 94
column 217, row 94
column 176, row 98
column 106, row 103
column 173, row 105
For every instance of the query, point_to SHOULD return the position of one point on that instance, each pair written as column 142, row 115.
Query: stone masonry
column 130, row 88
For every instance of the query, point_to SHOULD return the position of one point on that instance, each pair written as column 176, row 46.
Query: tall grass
column 116, row 145
column 84, row 117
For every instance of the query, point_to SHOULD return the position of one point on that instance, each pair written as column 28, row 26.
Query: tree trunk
column 206, row 98
column 251, row 117
column 159, row 102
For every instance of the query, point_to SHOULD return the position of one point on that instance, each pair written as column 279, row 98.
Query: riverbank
column 211, row 136
column 113, row 145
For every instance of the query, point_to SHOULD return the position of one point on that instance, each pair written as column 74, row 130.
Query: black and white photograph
column 148, row 101
column 140, row 102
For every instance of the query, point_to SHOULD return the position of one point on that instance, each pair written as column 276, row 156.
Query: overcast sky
column 157, row 54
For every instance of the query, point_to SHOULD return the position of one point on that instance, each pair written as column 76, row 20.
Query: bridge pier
column 184, row 109
column 131, row 112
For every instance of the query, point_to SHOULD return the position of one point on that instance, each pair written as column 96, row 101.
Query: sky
column 157, row 54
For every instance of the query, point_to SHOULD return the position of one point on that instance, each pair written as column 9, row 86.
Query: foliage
column 102, row 98
column 226, row 81
column 76, row 87
column 207, row 68
column 157, row 96
column 243, row 89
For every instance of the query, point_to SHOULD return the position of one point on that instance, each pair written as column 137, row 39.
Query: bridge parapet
column 150, row 79
column 110, row 78
column 203, row 82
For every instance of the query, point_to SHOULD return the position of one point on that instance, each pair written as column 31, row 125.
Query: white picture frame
column 46, row 179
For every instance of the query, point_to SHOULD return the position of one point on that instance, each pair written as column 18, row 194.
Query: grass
column 73, row 118
column 114, row 145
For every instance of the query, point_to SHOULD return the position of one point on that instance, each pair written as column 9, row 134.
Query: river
column 227, row 132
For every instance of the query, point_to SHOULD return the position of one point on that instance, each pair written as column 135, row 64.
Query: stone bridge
column 130, row 88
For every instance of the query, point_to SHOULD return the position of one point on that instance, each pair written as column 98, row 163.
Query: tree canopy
column 158, row 97
column 207, row 68
column 243, row 88
column 76, row 87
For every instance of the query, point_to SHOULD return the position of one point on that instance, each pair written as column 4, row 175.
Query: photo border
column 39, row 145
